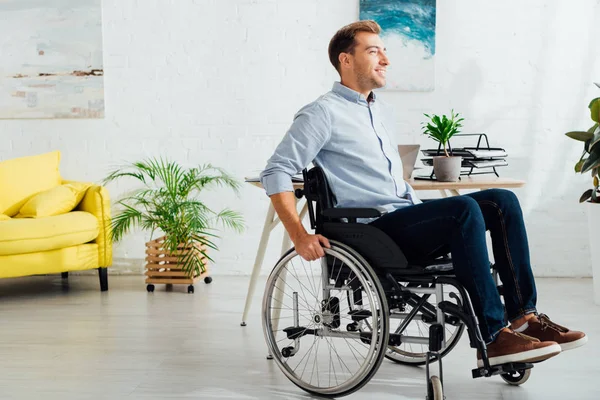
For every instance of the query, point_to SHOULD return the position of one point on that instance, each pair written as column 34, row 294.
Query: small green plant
column 441, row 129
column 168, row 202
column 590, row 158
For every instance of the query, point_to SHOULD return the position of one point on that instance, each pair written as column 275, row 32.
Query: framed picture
column 408, row 32
column 51, row 64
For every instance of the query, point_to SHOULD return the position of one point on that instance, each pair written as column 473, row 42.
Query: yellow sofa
column 37, row 235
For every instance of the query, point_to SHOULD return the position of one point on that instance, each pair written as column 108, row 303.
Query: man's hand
column 309, row 246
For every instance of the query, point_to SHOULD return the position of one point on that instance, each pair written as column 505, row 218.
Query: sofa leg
column 103, row 274
column 64, row 275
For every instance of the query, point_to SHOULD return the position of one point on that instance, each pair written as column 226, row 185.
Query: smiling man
column 348, row 133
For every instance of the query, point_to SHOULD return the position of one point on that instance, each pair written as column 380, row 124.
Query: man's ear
column 344, row 59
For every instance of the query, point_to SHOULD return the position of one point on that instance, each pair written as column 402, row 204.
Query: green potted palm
column 167, row 202
column 447, row 167
column 589, row 162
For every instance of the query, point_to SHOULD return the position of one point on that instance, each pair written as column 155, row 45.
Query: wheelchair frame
column 375, row 251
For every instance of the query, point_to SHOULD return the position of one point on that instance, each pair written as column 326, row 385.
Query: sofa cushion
column 74, row 258
column 55, row 201
column 21, row 178
column 58, row 200
column 78, row 188
column 26, row 235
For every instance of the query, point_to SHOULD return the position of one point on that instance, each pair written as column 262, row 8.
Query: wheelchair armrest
column 353, row 212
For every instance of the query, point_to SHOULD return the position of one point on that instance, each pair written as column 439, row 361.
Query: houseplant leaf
column 595, row 109
column 586, row 196
column 593, row 161
column 595, row 140
column 580, row 135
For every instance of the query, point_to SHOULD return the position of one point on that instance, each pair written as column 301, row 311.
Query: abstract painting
column 51, row 59
column 408, row 32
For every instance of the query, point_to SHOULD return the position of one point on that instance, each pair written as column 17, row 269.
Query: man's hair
column 343, row 40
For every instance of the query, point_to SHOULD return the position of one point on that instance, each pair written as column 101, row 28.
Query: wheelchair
column 330, row 323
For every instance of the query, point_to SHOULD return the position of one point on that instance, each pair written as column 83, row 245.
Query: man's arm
column 308, row 246
column 309, row 132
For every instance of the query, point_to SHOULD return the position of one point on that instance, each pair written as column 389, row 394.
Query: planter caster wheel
column 150, row 288
column 191, row 289
column 207, row 280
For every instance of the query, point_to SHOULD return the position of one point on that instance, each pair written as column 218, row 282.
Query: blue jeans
column 458, row 225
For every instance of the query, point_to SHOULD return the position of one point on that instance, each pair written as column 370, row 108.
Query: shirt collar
column 351, row 95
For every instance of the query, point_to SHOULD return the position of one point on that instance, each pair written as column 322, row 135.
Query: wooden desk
column 478, row 182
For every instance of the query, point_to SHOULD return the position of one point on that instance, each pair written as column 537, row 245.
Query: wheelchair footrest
column 294, row 332
column 359, row 315
column 501, row 369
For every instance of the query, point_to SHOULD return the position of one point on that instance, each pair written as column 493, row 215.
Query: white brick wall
column 219, row 81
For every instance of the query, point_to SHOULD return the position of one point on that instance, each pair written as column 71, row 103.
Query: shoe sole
column 531, row 356
column 574, row 344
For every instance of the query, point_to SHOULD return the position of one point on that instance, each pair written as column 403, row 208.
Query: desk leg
column 454, row 192
column 286, row 244
column 443, row 193
column 260, row 255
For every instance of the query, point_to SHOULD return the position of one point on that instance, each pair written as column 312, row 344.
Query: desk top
column 466, row 182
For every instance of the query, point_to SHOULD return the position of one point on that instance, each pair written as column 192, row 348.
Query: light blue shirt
column 350, row 139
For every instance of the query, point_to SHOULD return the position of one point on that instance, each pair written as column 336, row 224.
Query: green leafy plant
column 168, row 202
column 590, row 159
column 441, row 129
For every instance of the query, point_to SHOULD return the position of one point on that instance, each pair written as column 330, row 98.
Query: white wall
column 219, row 81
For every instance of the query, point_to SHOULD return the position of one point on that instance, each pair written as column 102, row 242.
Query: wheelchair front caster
column 150, row 288
column 191, row 289
column 516, row 378
column 434, row 389
column 353, row 327
column 287, row 351
column 207, row 280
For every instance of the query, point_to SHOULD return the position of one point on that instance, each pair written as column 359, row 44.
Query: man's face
column 369, row 62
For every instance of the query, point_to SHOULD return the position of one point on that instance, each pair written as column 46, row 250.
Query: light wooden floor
column 74, row 342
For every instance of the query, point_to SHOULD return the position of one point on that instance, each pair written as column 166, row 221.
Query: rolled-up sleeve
column 309, row 132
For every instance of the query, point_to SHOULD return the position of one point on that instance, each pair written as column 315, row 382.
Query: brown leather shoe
column 511, row 346
column 544, row 329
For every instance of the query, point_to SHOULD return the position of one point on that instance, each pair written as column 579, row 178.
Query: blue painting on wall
column 408, row 32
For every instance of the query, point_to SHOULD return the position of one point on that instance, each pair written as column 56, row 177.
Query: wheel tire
column 191, row 289
column 207, row 280
column 434, row 389
column 150, row 288
column 517, row 378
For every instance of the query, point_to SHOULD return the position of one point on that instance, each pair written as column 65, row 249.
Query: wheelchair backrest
column 373, row 244
column 319, row 196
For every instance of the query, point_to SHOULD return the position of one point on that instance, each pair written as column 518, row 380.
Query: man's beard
column 369, row 81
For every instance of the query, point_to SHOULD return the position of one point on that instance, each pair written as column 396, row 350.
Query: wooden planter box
column 162, row 267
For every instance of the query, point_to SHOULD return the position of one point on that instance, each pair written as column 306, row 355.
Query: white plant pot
column 594, row 231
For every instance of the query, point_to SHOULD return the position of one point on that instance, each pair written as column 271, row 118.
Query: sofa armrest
column 96, row 201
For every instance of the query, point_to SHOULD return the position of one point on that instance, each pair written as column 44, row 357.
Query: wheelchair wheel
column 416, row 354
column 434, row 389
column 305, row 323
column 517, row 378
